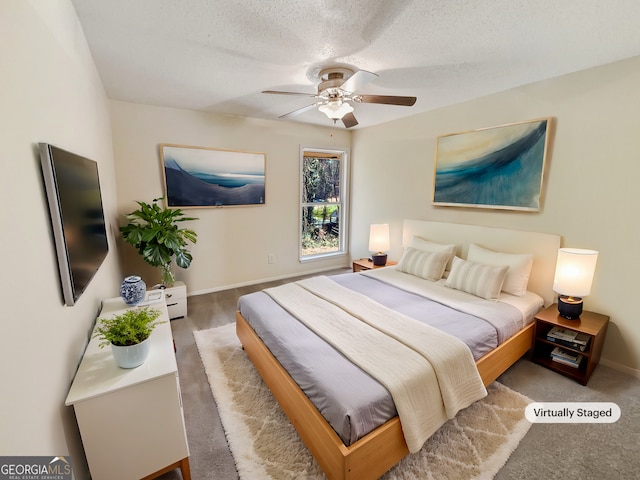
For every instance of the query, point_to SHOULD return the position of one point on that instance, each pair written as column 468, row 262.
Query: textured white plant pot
column 131, row 356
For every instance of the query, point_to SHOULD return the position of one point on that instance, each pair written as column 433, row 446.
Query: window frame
column 343, row 204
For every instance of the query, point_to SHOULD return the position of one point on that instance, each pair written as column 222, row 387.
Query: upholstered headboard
column 543, row 246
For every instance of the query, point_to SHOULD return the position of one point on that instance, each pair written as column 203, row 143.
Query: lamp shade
column 379, row 237
column 574, row 271
column 336, row 110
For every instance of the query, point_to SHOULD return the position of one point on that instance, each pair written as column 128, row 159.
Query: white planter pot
column 131, row 356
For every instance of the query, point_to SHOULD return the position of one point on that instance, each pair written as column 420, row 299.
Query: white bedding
column 528, row 305
column 352, row 401
column 431, row 375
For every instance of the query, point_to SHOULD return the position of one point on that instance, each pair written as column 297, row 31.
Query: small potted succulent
column 128, row 335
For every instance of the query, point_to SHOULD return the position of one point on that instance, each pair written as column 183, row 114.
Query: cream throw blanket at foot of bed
column 430, row 375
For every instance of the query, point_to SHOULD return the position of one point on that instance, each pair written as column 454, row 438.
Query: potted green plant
column 153, row 230
column 128, row 335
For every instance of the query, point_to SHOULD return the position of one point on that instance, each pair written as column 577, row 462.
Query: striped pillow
column 427, row 265
column 429, row 246
column 483, row 281
column 517, row 278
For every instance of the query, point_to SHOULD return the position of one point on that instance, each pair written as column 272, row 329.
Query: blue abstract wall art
column 209, row 177
column 499, row 167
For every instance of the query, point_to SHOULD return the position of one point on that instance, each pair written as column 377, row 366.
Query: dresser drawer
column 176, row 298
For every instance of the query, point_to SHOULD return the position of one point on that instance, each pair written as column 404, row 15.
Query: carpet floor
column 561, row 451
column 474, row 445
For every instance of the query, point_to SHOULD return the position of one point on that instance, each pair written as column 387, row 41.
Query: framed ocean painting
column 498, row 167
column 210, row 177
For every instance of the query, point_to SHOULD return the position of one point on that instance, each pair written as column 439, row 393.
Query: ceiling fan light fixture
column 337, row 87
column 335, row 110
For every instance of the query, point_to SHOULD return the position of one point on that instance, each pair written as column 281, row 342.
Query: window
column 323, row 203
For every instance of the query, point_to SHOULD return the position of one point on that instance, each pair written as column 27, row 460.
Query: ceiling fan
column 338, row 87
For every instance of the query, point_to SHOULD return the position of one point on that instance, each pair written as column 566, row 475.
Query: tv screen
column 77, row 218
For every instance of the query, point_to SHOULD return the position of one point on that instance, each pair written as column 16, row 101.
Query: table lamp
column 379, row 242
column 573, row 278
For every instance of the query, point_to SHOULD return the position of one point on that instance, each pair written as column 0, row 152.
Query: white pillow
column 519, row 265
column 428, row 265
column 483, row 281
column 428, row 246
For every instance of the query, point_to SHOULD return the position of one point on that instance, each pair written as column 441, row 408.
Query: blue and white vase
column 133, row 290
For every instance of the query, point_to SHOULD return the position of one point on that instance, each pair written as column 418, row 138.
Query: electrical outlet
column 271, row 258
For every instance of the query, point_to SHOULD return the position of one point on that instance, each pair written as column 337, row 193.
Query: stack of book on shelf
column 566, row 357
column 569, row 338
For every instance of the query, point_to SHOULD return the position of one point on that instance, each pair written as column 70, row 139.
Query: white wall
column 233, row 242
column 50, row 93
column 591, row 184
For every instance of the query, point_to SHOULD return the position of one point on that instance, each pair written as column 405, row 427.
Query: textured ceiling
column 218, row 55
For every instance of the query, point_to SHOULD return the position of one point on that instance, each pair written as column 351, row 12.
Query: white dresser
column 131, row 420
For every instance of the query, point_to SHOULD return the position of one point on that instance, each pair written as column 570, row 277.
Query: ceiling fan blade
column 349, row 120
column 299, row 111
column 385, row 99
column 279, row 92
column 358, row 80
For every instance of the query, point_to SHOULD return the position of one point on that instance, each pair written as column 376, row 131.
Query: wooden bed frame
column 374, row 454
column 378, row 451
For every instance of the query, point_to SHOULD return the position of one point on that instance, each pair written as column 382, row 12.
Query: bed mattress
column 352, row 401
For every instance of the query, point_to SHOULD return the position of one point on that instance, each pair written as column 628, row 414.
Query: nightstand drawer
column 176, row 299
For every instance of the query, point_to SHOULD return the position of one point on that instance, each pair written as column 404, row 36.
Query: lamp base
column 379, row 259
column 569, row 307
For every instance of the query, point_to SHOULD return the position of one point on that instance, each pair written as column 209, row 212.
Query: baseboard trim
column 621, row 368
column 262, row 280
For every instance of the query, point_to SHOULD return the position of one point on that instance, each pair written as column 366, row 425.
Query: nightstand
column 366, row 264
column 592, row 327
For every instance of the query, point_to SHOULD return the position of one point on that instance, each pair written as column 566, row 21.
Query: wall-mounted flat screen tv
column 77, row 217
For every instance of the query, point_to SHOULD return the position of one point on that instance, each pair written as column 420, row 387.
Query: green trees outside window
column 323, row 196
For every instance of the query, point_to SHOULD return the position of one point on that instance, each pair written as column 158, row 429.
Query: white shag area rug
column 474, row 445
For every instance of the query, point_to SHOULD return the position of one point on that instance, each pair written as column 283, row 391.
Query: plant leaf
column 149, row 235
column 156, row 255
column 183, row 259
